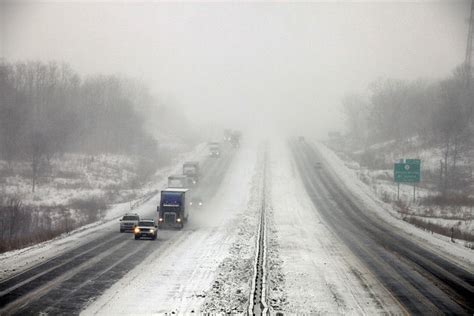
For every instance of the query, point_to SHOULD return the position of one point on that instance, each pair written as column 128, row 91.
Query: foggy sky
column 267, row 65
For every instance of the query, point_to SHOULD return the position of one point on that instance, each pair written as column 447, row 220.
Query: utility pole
column 470, row 35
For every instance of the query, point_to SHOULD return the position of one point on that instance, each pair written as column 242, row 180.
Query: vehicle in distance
column 191, row 170
column 179, row 181
column 196, row 202
column 128, row 222
column 214, row 149
column 235, row 139
column 172, row 211
column 146, row 228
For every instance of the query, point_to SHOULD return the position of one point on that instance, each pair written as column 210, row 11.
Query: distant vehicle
column 301, row 139
column 196, row 202
column 179, row 181
column 173, row 210
column 146, row 228
column 214, row 149
column 191, row 170
column 235, row 139
column 227, row 134
column 128, row 222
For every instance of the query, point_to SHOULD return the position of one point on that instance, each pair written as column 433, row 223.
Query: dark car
column 146, row 228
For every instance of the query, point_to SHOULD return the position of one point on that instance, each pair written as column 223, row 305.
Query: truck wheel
column 137, row 237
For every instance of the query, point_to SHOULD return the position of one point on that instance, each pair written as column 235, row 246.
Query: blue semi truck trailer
column 173, row 209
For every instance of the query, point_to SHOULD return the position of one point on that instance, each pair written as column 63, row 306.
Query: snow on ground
column 451, row 251
column 420, row 212
column 178, row 275
column 311, row 270
column 231, row 288
column 69, row 177
column 13, row 262
column 381, row 183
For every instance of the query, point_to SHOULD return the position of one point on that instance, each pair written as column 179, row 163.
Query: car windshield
column 146, row 224
column 130, row 218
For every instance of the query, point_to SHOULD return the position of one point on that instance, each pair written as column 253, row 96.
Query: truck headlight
column 152, row 231
column 136, row 230
column 178, row 220
column 190, row 203
column 200, row 203
column 160, row 219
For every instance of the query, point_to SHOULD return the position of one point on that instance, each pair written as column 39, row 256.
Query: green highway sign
column 413, row 161
column 408, row 171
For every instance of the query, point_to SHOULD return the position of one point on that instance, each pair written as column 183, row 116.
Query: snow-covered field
column 440, row 244
column 181, row 275
column 311, row 270
column 69, row 177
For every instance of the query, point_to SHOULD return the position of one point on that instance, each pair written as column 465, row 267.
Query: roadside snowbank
column 454, row 252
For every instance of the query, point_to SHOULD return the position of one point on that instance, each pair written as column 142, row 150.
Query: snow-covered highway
column 324, row 251
column 422, row 280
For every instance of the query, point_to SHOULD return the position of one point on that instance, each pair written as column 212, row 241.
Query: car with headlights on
column 196, row 202
column 146, row 228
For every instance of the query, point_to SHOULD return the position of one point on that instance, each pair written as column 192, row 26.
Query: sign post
column 407, row 172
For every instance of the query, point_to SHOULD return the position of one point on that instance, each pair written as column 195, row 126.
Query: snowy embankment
column 429, row 209
column 13, row 262
column 455, row 252
column 310, row 269
column 182, row 274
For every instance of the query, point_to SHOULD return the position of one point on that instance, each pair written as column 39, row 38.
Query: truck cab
column 172, row 211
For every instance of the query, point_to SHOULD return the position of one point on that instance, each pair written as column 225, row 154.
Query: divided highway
column 422, row 282
column 66, row 283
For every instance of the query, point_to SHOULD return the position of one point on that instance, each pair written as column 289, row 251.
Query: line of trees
column 48, row 109
column 439, row 113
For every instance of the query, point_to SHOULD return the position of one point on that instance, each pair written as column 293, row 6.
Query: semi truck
column 191, row 170
column 173, row 209
column 214, row 149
